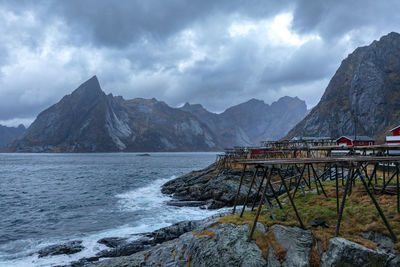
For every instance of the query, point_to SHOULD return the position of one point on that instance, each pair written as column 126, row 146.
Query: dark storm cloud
column 217, row 53
column 332, row 19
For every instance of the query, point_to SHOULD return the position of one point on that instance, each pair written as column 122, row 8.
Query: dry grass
column 359, row 215
column 314, row 255
column 205, row 233
column 189, row 260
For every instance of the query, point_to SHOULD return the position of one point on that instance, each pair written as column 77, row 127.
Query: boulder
column 296, row 241
column 345, row 253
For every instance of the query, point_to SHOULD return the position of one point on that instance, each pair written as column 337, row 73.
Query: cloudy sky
column 217, row 53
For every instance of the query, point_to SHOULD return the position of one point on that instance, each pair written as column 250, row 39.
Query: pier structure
column 377, row 175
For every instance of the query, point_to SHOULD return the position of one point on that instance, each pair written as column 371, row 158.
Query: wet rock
column 71, row 247
column 345, row 253
column 182, row 203
column 125, row 246
column 212, row 204
column 319, row 222
column 112, row 242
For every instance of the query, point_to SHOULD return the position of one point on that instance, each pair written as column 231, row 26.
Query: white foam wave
column 153, row 213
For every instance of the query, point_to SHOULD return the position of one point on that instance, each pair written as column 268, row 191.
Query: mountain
column 8, row 134
column 253, row 121
column 364, row 94
column 88, row 120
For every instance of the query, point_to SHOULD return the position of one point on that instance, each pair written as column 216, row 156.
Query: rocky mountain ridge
column 88, row 120
column 363, row 95
column 253, row 121
column 8, row 134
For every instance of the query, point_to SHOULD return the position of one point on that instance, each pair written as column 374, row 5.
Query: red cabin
column 258, row 152
column 355, row 141
column 396, row 131
column 395, row 138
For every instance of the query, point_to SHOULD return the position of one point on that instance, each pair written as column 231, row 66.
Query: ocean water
column 47, row 199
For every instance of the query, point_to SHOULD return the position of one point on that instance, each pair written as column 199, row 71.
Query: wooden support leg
column 275, row 195
column 393, row 235
column 390, row 179
column 348, row 182
column 249, row 192
column 337, row 189
column 342, row 175
column 397, row 188
column 261, row 203
column 240, row 185
column 316, row 178
column 299, row 180
column 259, row 188
column 291, row 200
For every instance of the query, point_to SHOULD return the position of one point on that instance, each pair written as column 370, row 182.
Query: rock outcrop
column 363, row 93
column 71, row 247
column 208, row 245
column 215, row 244
column 208, row 188
column 212, row 188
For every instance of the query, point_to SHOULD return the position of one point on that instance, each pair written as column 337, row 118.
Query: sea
column 48, row 199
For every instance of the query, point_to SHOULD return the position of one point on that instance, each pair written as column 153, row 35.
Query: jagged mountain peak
column 87, row 120
column 194, row 108
column 89, row 88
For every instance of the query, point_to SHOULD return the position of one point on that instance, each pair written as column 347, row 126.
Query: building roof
column 393, row 138
column 394, row 128
column 357, row 138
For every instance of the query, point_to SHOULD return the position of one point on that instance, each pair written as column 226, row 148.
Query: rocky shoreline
column 212, row 242
column 209, row 188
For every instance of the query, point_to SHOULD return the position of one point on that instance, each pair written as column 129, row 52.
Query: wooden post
column 348, row 182
column 393, row 235
column 249, row 192
column 261, row 203
column 240, row 185
column 291, row 200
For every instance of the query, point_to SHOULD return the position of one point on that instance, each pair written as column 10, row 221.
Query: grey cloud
column 136, row 48
column 332, row 19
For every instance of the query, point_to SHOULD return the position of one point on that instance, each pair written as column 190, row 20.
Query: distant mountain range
column 364, row 94
column 88, row 120
column 8, row 134
column 251, row 122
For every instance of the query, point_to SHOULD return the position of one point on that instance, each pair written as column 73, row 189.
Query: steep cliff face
column 7, row 134
column 364, row 92
column 253, row 121
column 88, row 120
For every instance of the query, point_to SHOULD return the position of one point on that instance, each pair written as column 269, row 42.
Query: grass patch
column 359, row 215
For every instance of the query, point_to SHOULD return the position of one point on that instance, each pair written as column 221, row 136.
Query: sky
column 216, row 53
